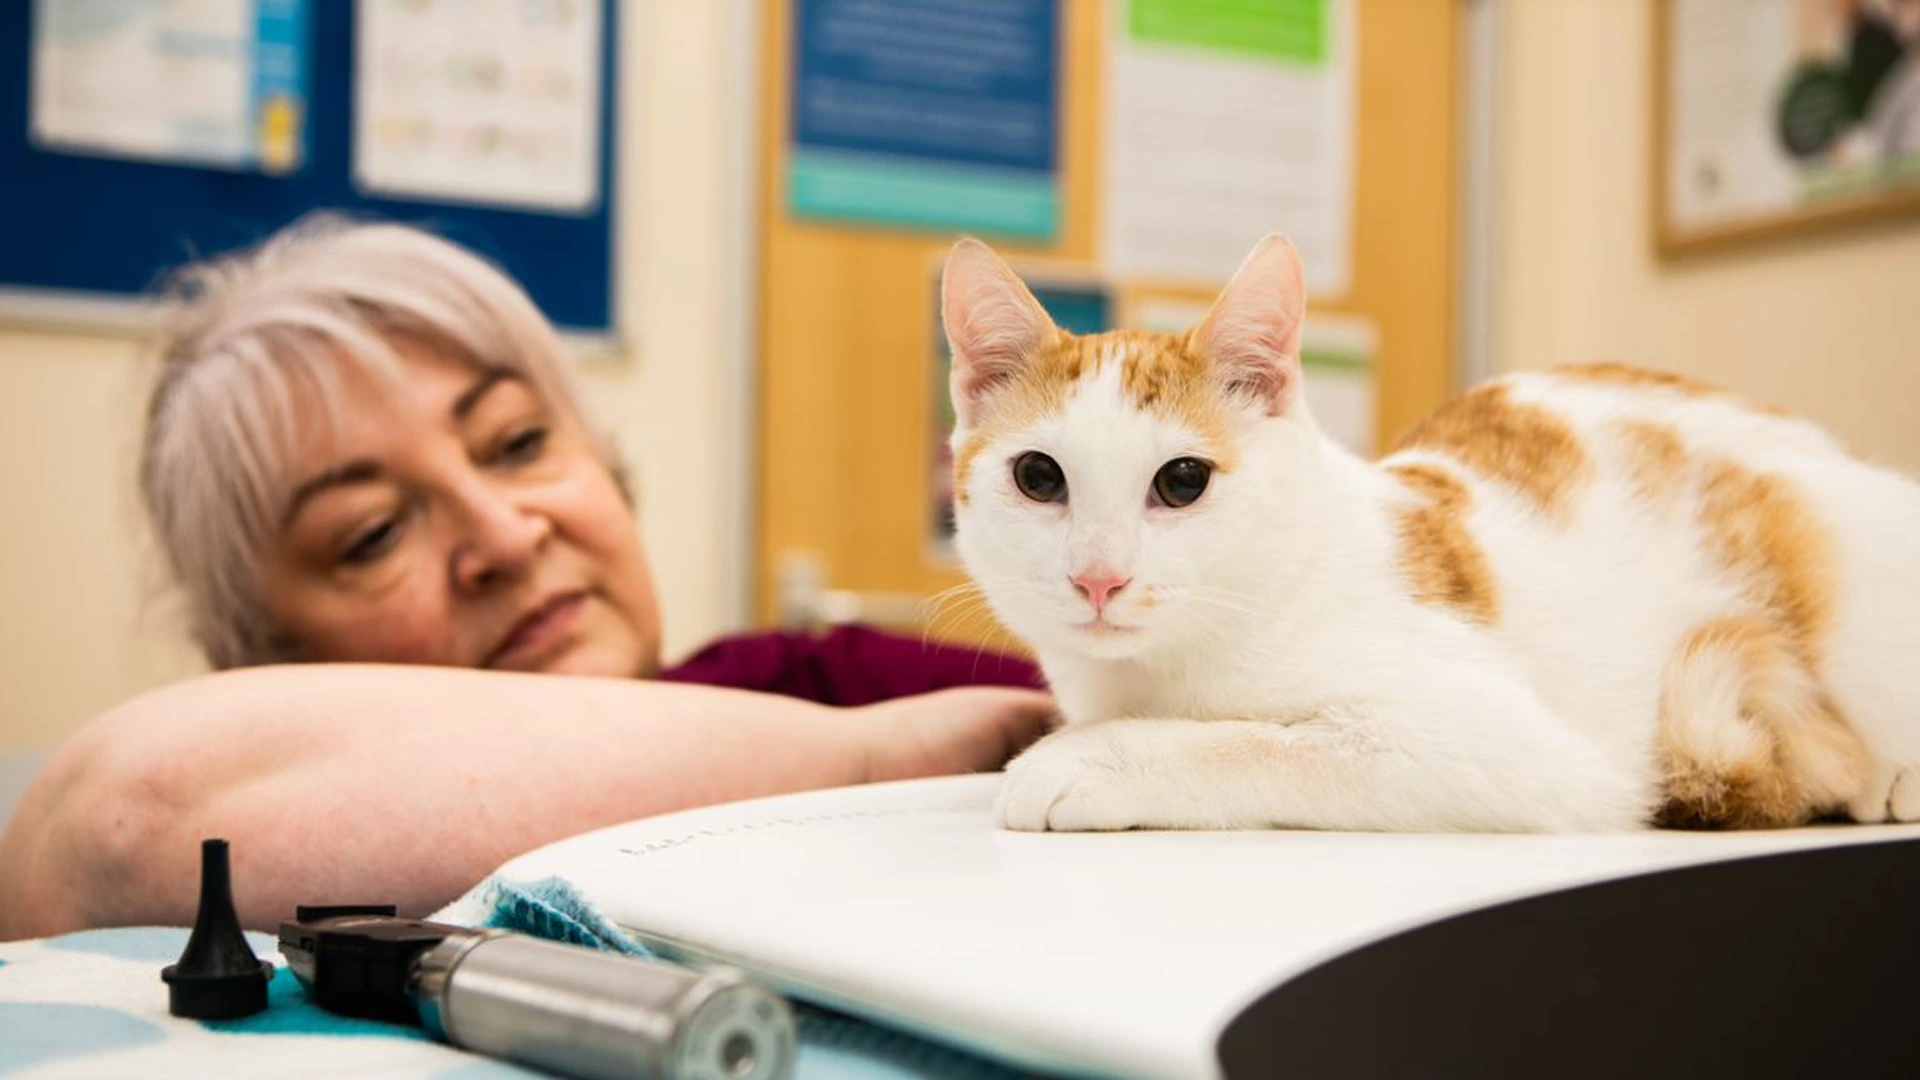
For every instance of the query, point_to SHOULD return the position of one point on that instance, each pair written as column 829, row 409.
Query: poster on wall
column 1079, row 307
column 935, row 114
column 1337, row 367
column 207, row 83
column 1227, row 121
column 1780, row 115
column 496, row 104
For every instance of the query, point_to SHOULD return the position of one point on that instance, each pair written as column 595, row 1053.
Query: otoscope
column 564, row 1008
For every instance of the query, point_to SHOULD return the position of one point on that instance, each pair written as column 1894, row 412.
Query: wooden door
column 848, row 316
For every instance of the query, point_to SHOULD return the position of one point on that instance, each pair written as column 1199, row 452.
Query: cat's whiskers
column 958, row 616
column 972, row 618
column 961, row 601
column 1221, row 599
column 968, row 614
column 938, row 604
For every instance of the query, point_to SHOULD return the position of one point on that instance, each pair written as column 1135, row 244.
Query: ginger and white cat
column 1587, row 599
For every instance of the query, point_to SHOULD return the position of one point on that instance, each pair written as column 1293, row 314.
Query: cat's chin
column 1105, row 641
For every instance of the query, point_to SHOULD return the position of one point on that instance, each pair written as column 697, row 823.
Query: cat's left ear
column 1252, row 334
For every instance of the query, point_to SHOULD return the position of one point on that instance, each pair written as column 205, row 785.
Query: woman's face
column 457, row 519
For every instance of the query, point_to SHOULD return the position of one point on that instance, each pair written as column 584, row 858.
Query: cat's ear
column 994, row 325
column 1252, row 334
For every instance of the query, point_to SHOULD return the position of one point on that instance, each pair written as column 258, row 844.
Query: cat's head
column 1118, row 493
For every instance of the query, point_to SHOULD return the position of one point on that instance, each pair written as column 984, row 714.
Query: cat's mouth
column 1100, row 627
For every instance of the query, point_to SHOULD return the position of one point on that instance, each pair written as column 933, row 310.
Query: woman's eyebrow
column 353, row 472
column 470, row 398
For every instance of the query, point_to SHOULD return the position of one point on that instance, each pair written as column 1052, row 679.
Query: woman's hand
column 968, row 729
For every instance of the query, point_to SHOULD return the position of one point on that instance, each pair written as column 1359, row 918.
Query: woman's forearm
column 381, row 785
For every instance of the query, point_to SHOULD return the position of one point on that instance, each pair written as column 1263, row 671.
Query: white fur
column 1276, row 672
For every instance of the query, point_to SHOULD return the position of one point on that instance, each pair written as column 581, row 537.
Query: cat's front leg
column 1483, row 757
column 1192, row 774
column 1122, row 774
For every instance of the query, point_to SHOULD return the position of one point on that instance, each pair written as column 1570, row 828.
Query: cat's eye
column 1180, row 481
column 1039, row 477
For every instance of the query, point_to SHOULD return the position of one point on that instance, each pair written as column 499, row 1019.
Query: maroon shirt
column 849, row 665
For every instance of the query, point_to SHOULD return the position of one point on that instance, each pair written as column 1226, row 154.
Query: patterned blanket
column 91, row 1006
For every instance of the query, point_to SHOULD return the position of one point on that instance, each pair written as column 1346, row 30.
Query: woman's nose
column 500, row 542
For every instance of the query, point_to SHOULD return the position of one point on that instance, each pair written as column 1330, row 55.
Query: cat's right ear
column 994, row 325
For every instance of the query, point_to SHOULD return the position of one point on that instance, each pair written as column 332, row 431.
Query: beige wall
column 1828, row 326
column 77, row 632
column 80, row 627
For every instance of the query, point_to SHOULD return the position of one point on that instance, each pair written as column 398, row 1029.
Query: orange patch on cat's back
column 1761, row 530
column 1523, row 446
column 1443, row 562
column 1654, row 459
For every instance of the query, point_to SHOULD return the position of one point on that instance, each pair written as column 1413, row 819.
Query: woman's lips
column 539, row 631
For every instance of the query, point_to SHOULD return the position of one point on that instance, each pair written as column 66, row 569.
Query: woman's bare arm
column 339, row 784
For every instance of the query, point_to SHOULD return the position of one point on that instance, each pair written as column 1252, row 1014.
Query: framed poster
column 940, row 115
column 1776, row 117
column 482, row 104
column 1226, row 120
column 218, row 84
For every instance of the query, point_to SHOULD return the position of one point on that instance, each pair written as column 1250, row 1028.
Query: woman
column 365, row 451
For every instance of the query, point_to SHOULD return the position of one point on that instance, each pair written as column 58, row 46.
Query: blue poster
column 935, row 114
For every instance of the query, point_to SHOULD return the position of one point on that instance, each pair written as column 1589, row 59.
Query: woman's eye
column 1180, row 481
column 370, row 545
column 1039, row 477
column 522, row 448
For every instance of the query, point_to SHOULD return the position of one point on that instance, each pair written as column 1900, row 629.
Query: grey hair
column 256, row 339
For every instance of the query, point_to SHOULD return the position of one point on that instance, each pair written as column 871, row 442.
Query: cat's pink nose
column 1098, row 586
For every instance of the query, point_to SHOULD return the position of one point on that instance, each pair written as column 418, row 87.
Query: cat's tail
column 1748, row 737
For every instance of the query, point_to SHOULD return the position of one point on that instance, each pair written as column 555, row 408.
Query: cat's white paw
column 1904, row 799
column 1891, row 793
column 1077, row 780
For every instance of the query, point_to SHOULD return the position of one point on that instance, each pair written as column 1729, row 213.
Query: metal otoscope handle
column 563, row 1008
column 599, row 1016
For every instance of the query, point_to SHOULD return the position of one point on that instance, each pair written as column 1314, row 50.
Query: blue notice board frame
column 96, row 227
